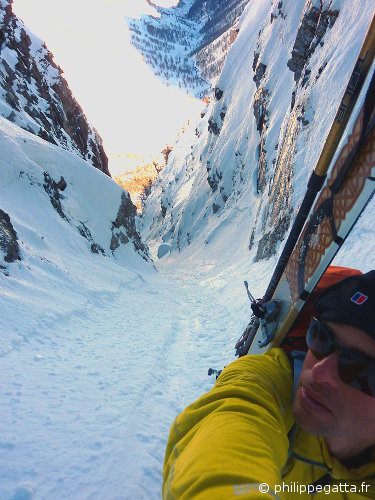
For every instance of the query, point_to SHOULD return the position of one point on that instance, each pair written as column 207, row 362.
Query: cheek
column 358, row 409
column 360, row 416
column 364, row 405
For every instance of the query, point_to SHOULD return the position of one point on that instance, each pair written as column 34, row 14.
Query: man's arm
column 234, row 437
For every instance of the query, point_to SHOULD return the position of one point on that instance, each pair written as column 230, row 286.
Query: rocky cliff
column 138, row 182
column 35, row 96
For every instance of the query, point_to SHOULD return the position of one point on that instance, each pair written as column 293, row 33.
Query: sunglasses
column 354, row 367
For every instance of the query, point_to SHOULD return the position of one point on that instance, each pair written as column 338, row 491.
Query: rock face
column 188, row 44
column 138, row 182
column 52, row 188
column 314, row 25
column 123, row 228
column 315, row 22
column 35, row 96
column 9, row 249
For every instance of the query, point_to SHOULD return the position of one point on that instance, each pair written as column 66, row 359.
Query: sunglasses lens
column 317, row 340
column 355, row 368
column 349, row 369
column 358, row 371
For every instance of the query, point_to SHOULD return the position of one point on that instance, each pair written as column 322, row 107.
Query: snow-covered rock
column 163, row 250
column 9, row 248
column 52, row 203
column 187, row 45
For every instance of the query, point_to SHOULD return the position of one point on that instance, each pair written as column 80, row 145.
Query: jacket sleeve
column 233, row 438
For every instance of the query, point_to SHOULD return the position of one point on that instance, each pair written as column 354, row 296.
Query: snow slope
column 99, row 354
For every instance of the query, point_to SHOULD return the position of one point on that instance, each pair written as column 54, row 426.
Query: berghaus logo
column 359, row 298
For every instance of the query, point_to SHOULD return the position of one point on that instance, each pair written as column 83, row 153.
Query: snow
column 32, row 96
column 100, row 353
column 99, row 356
column 10, row 56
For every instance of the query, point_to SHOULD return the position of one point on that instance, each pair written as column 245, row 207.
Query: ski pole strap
column 251, row 298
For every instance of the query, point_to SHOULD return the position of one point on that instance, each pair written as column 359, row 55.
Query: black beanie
column 350, row 301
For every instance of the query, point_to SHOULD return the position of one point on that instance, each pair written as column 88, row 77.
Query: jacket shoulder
column 235, row 434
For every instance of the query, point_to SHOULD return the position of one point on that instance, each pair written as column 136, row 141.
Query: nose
column 325, row 371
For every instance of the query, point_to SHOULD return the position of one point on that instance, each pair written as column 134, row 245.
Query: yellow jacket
column 234, row 442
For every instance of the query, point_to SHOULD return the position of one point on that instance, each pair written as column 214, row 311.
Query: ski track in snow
column 90, row 393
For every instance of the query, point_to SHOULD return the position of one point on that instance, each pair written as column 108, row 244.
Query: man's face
column 324, row 405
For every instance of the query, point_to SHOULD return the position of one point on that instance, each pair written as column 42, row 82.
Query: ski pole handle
column 248, row 292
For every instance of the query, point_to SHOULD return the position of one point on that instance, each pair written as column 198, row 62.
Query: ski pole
column 248, row 292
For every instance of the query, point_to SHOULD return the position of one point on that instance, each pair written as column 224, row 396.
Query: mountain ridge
column 35, row 96
column 197, row 36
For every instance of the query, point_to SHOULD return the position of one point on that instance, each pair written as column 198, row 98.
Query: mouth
column 311, row 402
